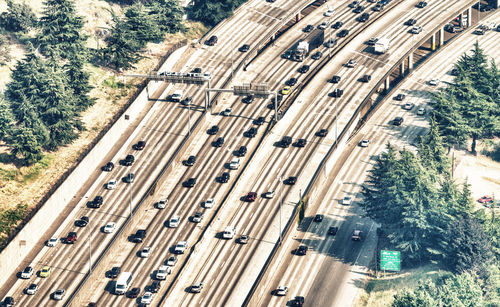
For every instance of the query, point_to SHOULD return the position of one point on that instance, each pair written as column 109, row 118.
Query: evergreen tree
column 168, row 15
column 431, row 150
column 19, row 17
column 78, row 80
column 211, row 12
column 460, row 290
column 142, row 24
column 24, row 145
column 413, row 298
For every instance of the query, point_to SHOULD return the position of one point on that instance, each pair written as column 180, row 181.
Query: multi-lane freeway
column 227, row 268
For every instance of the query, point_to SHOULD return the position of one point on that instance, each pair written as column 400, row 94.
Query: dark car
column 190, row 182
column 71, row 238
column 366, row 78
column 291, row 180
column 317, row 55
column 303, row 69
column 286, row 141
column 318, row 218
column 224, row 177
column 400, row 97
column 129, row 178
column 322, row 133
column 301, row 143
column 252, row 132
column 353, row 4
column 397, row 121
column 411, row 22
column 134, row 292
column 251, row 196
column 155, row 286
column 140, row 145
column 8, row 301
column 82, row 222
column 302, row 250
column 219, row 142
column 242, row 151
column 129, row 160
column 359, row 9
column 308, row 28
column 114, row 272
column 337, row 93
column 108, row 167
column 213, row 130
column 190, row 161
column 332, row 230
column 244, row 48
column 335, row 79
column 291, row 81
column 343, row 33
column 337, row 25
column 298, row 301
column 259, row 121
column 196, row 70
column 96, row 203
column 248, row 99
column 422, row 4
column 212, row 40
column 364, row 17
column 187, row 101
column 139, row 236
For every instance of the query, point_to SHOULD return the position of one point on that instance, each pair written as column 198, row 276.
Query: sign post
column 390, row 261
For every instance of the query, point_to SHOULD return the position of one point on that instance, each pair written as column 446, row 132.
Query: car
column 129, row 160
column 224, row 177
column 241, row 152
column 317, row 55
column 187, row 101
column 174, row 221
column 318, row 218
column 286, row 90
column 337, row 93
column 234, row 164
column 308, row 28
column 329, row 13
column 322, row 133
column 372, row 41
column 303, row 69
column 211, row 41
column 190, row 161
column 301, row 143
column 82, row 222
column 162, row 203
column 219, row 142
column 96, row 202
column 139, row 236
column 421, row 4
column 281, row 291
column 330, row 43
column 27, row 272
column 196, row 70
column 114, row 272
column 397, row 121
column 197, row 217
column 172, row 260
column 108, row 167
column 378, row 7
column 155, row 286
column 291, row 82
column 347, row 200
column 298, row 301
column 434, row 82
column 332, row 230
column 302, row 250
column 351, row 63
column 8, row 301
column 288, row 54
column 52, row 242
column 109, row 227
column 190, row 182
column 357, row 235
column 147, row 298
column 31, row 290
column 227, row 112
column 364, row 17
column 366, row 78
column 335, row 79
column 411, row 22
column 285, row 141
column 140, row 145
column 337, row 25
column 421, row 111
column 269, row 194
column 196, row 287
column 213, row 130
column 71, row 238
column 111, row 185
column 243, row 239
column 400, row 97
column 416, row 30
column 408, row 106
column 343, row 33
column 162, row 272
column 58, row 295
column 180, row 247
column 251, row 196
column 485, row 199
column 353, row 4
column 364, row 143
column 45, row 272
column 323, row 25
column 358, row 9
column 248, row 99
column 244, row 48
column 129, row 178
column 145, row 252
column 260, row 121
column 291, row 180
column 252, row 132
column 134, row 292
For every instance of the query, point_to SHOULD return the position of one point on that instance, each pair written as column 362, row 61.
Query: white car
column 235, row 163
column 269, row 194
column 416, row 30
column 174, row 221
column 110, row 227
column 162, row 272
column 408, row 106
column 227, row 112
column 172, row 260
column 346, row 200
column 145, row 252
column 27, row 273
column 59, row 294
column 281, row 291
column 52, row 242
column 323, row 25
column 196, row 287
column 181, row 247
column 209, row 203
column 364, row 143
column 329, row 13
column 162, row 203
column 421, row 111
column 31, row 290
column 352, row 63
column 147, row 298
column 111, row 184
column 434, row 82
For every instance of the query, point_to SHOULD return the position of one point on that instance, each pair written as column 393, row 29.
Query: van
column 228, row 232
column 123, row 283
column 177, row 96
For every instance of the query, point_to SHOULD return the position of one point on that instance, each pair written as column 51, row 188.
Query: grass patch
column 34, row 170
column 380, row 292
column 10, row 218
column 8, row 174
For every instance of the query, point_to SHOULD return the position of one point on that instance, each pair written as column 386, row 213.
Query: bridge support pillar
column 402, row 69
column 469, row 17
column 441, row 37
column 410, row 61
column 433, row 42
column 387, row 84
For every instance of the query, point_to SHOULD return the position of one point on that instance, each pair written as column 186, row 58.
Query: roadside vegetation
column 211, row 12
column 425, row 214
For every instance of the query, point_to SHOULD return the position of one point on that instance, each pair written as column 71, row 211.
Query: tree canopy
column 19, row 17
column 211, row 12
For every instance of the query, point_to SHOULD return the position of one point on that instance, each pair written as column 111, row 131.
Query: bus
column 123, row 283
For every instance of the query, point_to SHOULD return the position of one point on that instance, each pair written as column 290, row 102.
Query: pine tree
column 168, row 15
column 19, row 17
column 6, row 119
column 142, row 24
column 24, row 144
column 431, row 150
column 78, row 81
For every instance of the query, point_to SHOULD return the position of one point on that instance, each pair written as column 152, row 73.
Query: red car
column 251, row 196
column 485, row 199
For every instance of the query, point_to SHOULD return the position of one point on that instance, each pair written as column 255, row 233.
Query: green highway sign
column 390, row 260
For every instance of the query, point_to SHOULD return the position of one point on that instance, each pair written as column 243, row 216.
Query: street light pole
column 189, row 119
column 130, row 199
column 90, row 249
column 281, row 203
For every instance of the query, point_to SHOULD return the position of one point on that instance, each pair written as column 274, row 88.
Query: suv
column 285, row 141
column 252, row 132
column 190, row 161
column 357, row 235
column 181, row 247
column 213, row 130
column 291, row 180
column 114, row 272
column 302, row 250
column 241, row 151
column 71, row 238
column 224, row 177
column 219, row 142
column 211, row 41
column 155, row 286
column 140, row 145
column 337, row 93
column 108, row 167
column 259, row 121
column 364, row 17
column 139, row 236
column 190, row 182
column 397, row 121
column 129, row 160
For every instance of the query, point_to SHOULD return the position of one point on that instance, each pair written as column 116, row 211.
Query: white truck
column 177, row 96
column 229, row 232
column 235, row 163
column 382, row 45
